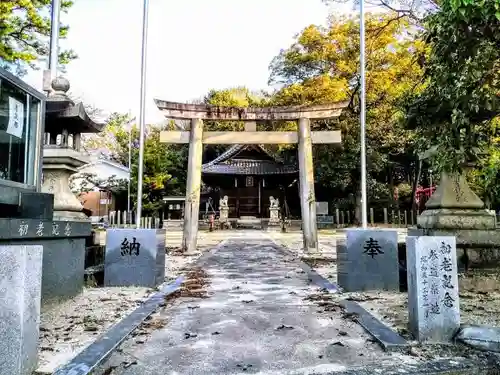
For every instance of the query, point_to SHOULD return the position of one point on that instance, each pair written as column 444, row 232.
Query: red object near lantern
column 422, row 195
column 211, row 220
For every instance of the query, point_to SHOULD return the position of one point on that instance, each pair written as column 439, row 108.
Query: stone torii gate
column 196, row 137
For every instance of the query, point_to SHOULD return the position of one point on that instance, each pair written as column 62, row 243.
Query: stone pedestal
column 454, row 205
column 224, row 215
column 274, row 216
column 59, row 163
column 20, row 283
column 455, row 210
column 63, row 252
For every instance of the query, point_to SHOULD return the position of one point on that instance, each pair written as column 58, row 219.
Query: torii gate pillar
column 193, row 186
column 306, row 181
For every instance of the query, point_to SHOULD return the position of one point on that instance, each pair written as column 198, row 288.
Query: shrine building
column 249, row 175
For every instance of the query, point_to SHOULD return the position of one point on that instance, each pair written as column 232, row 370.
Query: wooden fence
column 124, row 219
column 338, row 219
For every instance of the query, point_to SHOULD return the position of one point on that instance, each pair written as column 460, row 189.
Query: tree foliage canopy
column 164, row 165
column 322, row 66
column 25, row 31
column 432, row 80
column 454, row 112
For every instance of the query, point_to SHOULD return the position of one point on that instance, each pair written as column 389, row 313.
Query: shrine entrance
column 246, row 198
column 248, row 175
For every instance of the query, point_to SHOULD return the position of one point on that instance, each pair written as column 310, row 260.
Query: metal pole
column 142, row 125
column 364, row 214
column 54, row 38
column 129, row 168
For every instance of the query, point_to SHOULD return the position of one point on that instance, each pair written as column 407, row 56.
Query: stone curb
column 454, row 366
column 97, row 352
column 388, row 339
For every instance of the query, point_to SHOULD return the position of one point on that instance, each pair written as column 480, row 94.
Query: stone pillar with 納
column 433, row 299
column 134, row 257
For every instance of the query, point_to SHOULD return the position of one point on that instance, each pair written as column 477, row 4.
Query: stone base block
column 134, row 257
column 368, row 260
column 456, row 218
column 63, row 269
column 70, row 216
column 466, row 238
column 20, row 286
column 63, row 252
column 480, row 337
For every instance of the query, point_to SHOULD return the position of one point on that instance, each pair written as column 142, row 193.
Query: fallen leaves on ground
column 194, row 286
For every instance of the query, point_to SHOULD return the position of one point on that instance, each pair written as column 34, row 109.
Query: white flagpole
column 54, row 38
column 364, row 215
column 142, row 110
column 130, row 125
column 51, row 72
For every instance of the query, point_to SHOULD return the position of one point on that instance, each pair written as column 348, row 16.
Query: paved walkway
column 259, row 316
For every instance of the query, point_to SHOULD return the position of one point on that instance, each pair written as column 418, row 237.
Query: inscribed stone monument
column 20, row 295
column 274, row 211
column 368, row 260
column 224, row 209
column 433, row 302
column 134, row 257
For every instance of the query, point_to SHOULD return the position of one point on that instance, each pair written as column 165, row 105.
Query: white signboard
column 16, row 118
column 321, row 208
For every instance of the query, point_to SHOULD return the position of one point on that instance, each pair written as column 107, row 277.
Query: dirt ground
column 68, row 328
column 479, row 297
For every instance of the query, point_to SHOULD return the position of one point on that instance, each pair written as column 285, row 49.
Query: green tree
column 230, row 97
column 24, row 28
column 455, row 111
column 485, row 179
column 322, row 66
column 164, row 165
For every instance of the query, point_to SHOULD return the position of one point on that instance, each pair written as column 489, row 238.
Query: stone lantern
column 65, row 121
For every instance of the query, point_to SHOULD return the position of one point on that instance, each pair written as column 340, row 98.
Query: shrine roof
column 228, row 163
column 63, row 113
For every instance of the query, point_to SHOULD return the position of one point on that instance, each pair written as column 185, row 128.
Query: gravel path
column 251, row 309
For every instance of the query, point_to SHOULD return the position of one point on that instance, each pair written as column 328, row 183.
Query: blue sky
column 193, row 46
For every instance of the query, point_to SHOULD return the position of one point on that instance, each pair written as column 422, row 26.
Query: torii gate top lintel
column 183, row 111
